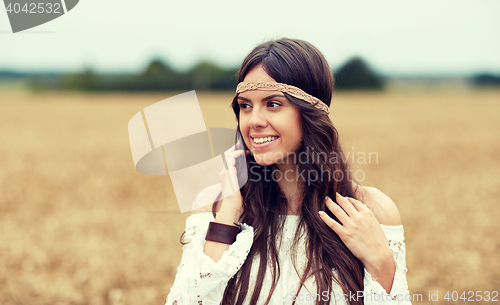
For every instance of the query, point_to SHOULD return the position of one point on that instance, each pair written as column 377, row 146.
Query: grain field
column 78, row 224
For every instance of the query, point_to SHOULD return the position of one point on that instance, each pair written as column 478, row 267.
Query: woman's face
column 270, row 124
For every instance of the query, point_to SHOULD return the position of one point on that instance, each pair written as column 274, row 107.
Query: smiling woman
column 269, row 122
column 301, row 232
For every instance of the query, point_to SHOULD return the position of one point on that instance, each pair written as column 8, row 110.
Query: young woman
column 307, row 232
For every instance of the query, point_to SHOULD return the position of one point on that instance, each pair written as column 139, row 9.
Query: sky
column 396, row 37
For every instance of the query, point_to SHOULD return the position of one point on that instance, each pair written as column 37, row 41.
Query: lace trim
column 376, row 294
column 292, row 90
column 396, row 247
column 200, row 280
column 198, row 274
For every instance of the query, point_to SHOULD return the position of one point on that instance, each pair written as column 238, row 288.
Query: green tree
column 357, row 75
column 159, row 76
column 87, row 80
column 208, row 76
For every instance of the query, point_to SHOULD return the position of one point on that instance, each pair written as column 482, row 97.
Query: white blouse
column 200, row 280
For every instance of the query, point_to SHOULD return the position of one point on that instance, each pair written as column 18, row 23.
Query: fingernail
column 326, row 198
column 321, row 213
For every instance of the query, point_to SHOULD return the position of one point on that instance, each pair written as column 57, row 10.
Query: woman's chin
column 266, row 159
column 262, row 163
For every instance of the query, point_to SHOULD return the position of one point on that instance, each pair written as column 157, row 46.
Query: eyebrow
column 269, row 97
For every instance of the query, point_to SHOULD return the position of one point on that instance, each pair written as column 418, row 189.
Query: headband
column 292, row 90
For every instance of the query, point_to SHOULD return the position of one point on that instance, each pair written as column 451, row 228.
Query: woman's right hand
column 231, row 204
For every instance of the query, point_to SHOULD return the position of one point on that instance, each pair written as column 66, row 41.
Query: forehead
column 258, row 74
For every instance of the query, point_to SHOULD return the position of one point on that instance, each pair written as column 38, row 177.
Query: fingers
column 232, row 156
column 229, row 174
column 344, row 211
column 336, row 210
column 357, row 204
column 237, row 147
column 232, row 149
column 229, row 182
column 335, row 226
column 346, row 205
column 239, row 144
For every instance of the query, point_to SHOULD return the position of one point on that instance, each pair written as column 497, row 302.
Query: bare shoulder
column 384, row 209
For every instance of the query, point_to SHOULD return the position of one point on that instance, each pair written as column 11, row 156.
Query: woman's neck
column 291, row 186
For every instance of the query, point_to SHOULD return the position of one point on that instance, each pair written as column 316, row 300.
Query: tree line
column 159, row 76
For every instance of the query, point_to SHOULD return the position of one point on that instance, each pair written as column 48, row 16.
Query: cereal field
column 78, row 224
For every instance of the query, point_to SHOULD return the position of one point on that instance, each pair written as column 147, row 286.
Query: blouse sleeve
column 374, row 293
column 199, row 279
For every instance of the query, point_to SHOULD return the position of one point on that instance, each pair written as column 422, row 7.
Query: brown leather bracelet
column 222, row 233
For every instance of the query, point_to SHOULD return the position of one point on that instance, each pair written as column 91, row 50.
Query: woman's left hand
column 361, row 233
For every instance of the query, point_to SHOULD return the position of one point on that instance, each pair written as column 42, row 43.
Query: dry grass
column 78, row 224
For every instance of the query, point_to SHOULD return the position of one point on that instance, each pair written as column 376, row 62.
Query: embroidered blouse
column 201, row 280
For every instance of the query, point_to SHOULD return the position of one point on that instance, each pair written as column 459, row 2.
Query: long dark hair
column 298, row 63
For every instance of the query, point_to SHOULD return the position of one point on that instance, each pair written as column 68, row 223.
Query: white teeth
column 263, row 140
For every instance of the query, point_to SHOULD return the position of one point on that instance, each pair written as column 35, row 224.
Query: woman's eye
column 244, row 106
column 273, row 104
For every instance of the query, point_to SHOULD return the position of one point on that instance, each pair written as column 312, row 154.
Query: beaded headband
column 292, row 90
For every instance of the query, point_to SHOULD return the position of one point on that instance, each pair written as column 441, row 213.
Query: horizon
column 414, row 75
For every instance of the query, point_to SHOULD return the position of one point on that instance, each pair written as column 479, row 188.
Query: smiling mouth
column 264, row 140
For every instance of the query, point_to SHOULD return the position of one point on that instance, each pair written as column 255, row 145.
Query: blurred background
column 417, row 83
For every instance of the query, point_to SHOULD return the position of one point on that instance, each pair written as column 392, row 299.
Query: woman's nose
column 257, row 119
